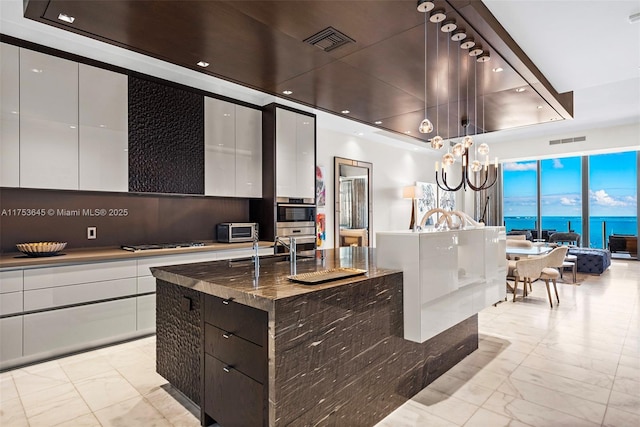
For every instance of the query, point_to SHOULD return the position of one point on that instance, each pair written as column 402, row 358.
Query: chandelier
column 475, row 171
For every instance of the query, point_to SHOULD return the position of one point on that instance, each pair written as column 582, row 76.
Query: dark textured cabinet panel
column 178, row 332
column 166, row 139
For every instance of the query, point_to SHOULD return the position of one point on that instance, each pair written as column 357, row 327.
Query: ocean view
column 614, row 225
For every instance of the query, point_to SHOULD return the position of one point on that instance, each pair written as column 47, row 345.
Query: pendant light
column 425, row 126
column 437, row 142
column 449, row 158
column 476, row 165
column 458, row 149
column 425, row 6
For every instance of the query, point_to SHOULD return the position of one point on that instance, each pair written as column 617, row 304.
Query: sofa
column 594, row 261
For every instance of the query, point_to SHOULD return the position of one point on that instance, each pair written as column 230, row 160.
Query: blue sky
column 613, row 182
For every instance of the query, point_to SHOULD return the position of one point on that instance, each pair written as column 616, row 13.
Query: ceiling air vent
column 568, row 140
column 329, row 39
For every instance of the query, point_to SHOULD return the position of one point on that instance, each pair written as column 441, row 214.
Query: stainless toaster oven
column 235, row 232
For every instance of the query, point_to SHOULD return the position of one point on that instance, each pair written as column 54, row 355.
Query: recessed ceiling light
column 102, row 126
column 36, row 70
column 227, row 115
column 203, row 64
column 378, row 122
column 539, row 107
column 14, row 112
column 345, row 111
column 305, row 123
column 287, row 92
column 497, row 70
column 72, row 126
column 520, row 89
column 407, row 131
column 66, row 18
column 359, row 133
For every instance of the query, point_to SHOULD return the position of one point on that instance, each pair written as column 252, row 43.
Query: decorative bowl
column 41, row 248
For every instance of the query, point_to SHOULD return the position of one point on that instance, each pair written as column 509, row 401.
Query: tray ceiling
column 378, row 77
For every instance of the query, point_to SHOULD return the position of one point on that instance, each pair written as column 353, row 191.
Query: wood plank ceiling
column 379, row 77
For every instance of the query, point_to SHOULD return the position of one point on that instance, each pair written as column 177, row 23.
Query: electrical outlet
column 92, row 233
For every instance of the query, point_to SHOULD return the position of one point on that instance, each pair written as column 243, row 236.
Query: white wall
column 394, row 167
column 618, row 138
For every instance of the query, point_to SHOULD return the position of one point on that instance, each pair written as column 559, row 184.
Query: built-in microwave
column 290, row 212
column 235, row 232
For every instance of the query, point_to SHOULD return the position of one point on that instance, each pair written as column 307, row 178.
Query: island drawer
column 241, row 320
column 232, row 398
column 243, row 355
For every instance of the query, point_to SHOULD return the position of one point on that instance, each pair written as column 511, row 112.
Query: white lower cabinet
column 146, row 310
column 10, row 339
column 78, row 328
column 40, row 299
column 75, row 307
column 47, row 277
column 11, row 303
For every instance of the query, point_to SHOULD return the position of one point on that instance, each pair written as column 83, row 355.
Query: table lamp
column 412, row 192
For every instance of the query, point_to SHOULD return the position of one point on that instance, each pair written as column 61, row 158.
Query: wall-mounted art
column 427, row 200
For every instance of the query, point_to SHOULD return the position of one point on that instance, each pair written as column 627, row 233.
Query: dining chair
column 544, row 268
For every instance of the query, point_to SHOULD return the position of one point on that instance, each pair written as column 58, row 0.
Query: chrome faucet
column 256, row 255
column 292, row 252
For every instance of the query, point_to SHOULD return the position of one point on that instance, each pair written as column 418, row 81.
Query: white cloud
column 566, row 201
column 601, row 197
column 557, row 164
column 520, row 166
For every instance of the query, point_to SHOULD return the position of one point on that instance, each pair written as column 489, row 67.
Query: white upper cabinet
column 219, row 147
column 306, row 159
column 248, row 152
column 48, row 121
column 233, row 150
column 286, row 153
column 103, row 116
column 295, row 155
column 9, row 118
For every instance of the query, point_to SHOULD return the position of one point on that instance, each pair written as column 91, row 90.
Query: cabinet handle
column 227, row 301
column 227, row 369
column 227, row 335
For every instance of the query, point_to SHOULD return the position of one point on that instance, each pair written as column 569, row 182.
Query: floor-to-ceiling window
column 520, row 207
column 613, row 189
column 561, row 194
column 612, row 202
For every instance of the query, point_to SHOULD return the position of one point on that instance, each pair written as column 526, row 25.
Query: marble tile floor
column 577, row 364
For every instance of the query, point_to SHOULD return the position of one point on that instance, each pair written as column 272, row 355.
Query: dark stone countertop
column 235, row 280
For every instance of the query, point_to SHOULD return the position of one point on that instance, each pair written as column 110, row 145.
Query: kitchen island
column 271, row 352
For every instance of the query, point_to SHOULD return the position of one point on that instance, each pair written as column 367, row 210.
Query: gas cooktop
column 136, row 248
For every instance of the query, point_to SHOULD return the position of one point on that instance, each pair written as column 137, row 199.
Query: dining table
column 532, row 251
